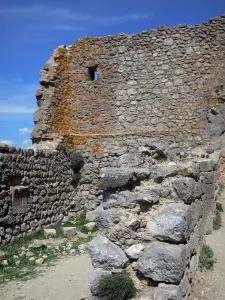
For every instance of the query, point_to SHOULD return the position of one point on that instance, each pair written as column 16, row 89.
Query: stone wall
column 152, row 223
column 35, row 190
column 160, row 84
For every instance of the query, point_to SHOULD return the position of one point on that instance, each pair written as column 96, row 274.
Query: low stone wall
column 152, row 223
column 35, row 190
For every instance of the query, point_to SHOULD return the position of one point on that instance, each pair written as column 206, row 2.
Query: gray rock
column 162, row 171
column 209, row 149
column 163, row 262
column 128, row 199
column 90, row 226
column 108, row 218
column 94, row 279
column 92, row 216
column 186, row 189
column 206, row 165
column 150, row 196
column 106, row 254
column 120, row 177
column 167, row 292
column 131, row 221
column 171, row 224
column 135, row 251
column 124, row 199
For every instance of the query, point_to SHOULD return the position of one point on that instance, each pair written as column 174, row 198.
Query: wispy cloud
column 65, row 17
column 16, row 98
column 23, row 131
column 8, row 142
column 59, row 28
column 26, row 142
column 15, row 109
column 14, row 10
column 115, row 20
column 63, row 13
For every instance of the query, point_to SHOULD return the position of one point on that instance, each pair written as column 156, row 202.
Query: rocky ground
column 211, row 284
column 49, row 264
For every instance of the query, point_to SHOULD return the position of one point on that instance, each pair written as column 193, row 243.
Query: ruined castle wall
column 158, row 84
column 155, row 230
column 35, row 190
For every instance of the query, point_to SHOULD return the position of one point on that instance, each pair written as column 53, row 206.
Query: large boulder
column 163, row 262
column 94, row 278
column 125, row 199
column 120, row 177
column 128, row 199
column 106, row 254
column 186, row 189
column 171, row 224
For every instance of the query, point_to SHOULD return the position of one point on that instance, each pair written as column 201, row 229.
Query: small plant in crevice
column 221, row 188
column 219, row 207
column 206, row 259
column 76, row 163
column 217, row 220
column 80, row 225
column 116, row 287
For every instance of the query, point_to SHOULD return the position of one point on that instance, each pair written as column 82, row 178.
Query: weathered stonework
column 158, row 94
column 165, row 85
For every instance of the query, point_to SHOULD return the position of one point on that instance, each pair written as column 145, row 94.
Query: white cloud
column 7, row 142
column 26, row 142
column 23, row 131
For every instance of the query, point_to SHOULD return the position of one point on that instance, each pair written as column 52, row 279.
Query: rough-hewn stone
column 163, row 262
column 171, row 225
column 106, row 254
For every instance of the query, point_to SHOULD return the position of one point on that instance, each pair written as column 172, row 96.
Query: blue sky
column 31, row 30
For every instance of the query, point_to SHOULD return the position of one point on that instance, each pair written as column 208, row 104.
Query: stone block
column 171, row 224
column 186, row 189
column 167, row 292
column 162, row 171
column 120, row 177
column 106, row 254
column 109, row 218
column 135, row 251
column 206, row 165
column 208, row 177
column 163, row 262
column 3, row 255
column 49, row 233
column 90, row 226
column 208, row 190
column 69, row 231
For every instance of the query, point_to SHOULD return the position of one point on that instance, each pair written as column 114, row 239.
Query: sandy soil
column 211, row 284
column 67, row 280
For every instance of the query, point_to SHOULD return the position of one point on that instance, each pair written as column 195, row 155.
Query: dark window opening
column 93, row 73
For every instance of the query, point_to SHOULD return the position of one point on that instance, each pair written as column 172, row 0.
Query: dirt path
column 67, row 280
column 211, row 284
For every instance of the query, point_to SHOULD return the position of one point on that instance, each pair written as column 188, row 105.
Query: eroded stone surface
column 163, row 262
column 106, row 254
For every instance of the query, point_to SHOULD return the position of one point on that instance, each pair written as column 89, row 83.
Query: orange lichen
column 216, row 100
